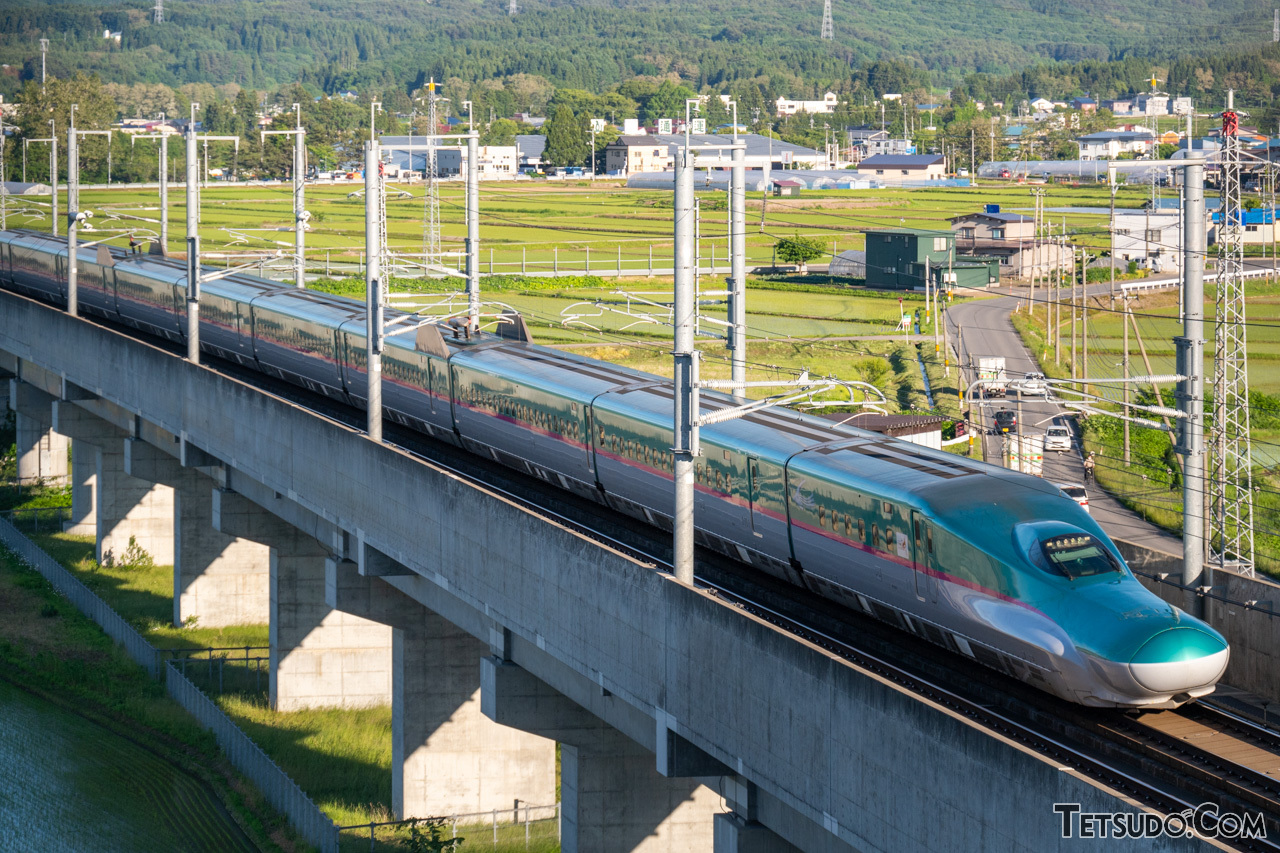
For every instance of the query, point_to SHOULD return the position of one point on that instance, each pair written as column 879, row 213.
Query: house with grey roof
column 903, row 167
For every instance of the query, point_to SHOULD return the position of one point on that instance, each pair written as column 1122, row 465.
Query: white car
column 1057, row 438
column 1076, row 492
column 1030, row 385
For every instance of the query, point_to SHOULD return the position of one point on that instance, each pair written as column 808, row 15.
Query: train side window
column 848, row 525
column 862, row 530
column 928, row 538
column 822, row 516
column 875, row 537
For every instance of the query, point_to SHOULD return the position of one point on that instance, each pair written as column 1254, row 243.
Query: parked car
column 1030, row 385
column 1006, row 422
column 1076, row 492
column 1057, row 438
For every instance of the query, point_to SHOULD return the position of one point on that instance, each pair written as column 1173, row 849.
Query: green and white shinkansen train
column 991, row 564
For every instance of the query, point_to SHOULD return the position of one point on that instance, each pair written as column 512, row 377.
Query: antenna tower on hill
column 828, row 28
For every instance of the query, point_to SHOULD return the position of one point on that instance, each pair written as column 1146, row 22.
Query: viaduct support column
column 84, row 487
column 124, row 507
column 447, row 757
column 218, row 580
column 42, row 453
column 320, row 657
column 613, row 798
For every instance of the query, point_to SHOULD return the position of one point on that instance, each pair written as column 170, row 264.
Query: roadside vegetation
column 1151, row 483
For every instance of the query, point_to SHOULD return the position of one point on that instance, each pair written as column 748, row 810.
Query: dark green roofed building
column 897, row 259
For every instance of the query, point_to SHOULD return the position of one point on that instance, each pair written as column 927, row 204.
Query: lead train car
column 988, row 563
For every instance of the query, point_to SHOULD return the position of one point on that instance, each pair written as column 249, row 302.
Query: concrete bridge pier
column 613, row 796
column 320, row 657
column 447, row 756
column 123, row 507
column 42, row 453
column 218, row 580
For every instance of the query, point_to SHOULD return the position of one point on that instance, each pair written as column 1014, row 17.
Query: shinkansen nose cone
column 1180, row 659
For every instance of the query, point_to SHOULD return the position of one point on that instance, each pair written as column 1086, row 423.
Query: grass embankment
column 48, row 648
column 1150, row 484
column 341, row 758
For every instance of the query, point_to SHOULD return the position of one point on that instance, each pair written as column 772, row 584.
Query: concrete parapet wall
column 862, row 763
column 1254, row 635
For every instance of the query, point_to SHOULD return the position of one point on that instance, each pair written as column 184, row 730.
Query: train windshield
column 1078, row 555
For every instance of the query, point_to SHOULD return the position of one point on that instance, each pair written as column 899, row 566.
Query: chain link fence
column 521, row 827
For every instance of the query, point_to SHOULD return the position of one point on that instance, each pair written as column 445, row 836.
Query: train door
column 923, row 562
column 753, row 492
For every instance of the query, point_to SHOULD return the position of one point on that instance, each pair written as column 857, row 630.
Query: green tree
column 567, row 145
column 667, row 102
column 501, row 132
column 715, row 112
column 799, row 250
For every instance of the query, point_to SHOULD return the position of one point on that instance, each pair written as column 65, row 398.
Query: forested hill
column 380, row 44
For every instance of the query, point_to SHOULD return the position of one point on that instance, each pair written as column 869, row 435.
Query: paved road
column 983, row 328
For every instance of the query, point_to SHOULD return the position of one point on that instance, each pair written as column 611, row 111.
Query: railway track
column 1171, row 772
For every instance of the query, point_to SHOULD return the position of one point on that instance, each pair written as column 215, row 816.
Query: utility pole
column 373, row 291
column 1275, row 26
column 1083, row 276
column 53, row 173
column 1124, row 368
column 193, row 251
column 44, row 51
column 473, row 233
column 738, row 262
column 4, row 193
column 685, row 359
column 73, row 214
column 1190, row 390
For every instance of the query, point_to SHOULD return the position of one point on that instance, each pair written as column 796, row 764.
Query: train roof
column 578, row 377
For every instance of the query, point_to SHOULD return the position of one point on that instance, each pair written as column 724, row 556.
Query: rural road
column 983, row 327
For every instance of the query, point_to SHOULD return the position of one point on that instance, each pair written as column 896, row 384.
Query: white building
column 828, row 104
column 1042, row 105
column 1151, row 238
column 1153, row 104
column 1109, row 144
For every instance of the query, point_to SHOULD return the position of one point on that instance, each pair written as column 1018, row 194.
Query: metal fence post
column 524, row 254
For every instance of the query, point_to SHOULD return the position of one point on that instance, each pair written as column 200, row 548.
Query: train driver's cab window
column 1078, row 555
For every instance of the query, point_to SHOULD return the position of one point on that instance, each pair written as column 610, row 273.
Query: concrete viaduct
column 684, row 724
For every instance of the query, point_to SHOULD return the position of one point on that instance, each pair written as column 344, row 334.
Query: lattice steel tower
column 513, row 8
column 159, row 11
column 1231, row 477
column 828, row 28
column 431, row 202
